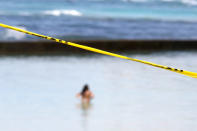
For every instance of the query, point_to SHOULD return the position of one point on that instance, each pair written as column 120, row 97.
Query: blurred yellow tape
column 187, row 73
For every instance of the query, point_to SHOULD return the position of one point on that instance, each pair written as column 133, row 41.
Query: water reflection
column 85, row 108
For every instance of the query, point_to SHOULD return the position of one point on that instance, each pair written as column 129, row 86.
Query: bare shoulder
column 78, row 95
column 90, row 94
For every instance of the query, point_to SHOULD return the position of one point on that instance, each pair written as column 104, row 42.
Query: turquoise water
column 38, row 93
column 101, row 19
column 152, row 9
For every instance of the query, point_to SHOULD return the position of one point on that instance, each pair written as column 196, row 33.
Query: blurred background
column 37, row 89
column 101, row 19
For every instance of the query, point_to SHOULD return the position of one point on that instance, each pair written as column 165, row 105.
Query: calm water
column 38, row 93
column 101, row 19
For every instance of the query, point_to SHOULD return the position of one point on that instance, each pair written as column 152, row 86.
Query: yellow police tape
column 187, row 73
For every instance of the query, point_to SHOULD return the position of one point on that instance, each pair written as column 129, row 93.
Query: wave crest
column 63, row 12
column 185, row 2
column 14, row 35
column 189, row 2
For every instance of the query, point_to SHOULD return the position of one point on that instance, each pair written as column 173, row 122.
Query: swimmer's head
column 85, row 88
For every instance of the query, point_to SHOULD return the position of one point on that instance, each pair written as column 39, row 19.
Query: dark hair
column 85, row 88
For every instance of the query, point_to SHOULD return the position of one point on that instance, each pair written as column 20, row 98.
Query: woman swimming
column 86, row 95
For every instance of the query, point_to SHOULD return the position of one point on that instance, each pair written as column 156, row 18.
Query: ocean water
column 38, row 93
column 101, row 19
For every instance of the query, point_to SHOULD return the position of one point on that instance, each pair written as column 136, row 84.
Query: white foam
column 189, row 2
column 63, row 12
column 11, row 34
column 186, row 2
column 168, row 0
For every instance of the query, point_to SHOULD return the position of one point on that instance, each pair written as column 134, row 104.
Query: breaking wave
column 46, row 12
column 14, row 35
column 184, row 2
column 63, row 12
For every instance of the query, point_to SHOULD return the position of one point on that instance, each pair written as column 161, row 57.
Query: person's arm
column 78, row 95
column 91, row 95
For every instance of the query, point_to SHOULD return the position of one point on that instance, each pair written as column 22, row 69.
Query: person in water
column 86, row 95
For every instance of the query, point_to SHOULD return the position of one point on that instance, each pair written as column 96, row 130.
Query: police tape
column 187, row 73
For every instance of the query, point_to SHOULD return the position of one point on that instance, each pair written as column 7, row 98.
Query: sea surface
column 38, row 93
column 100, row 19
